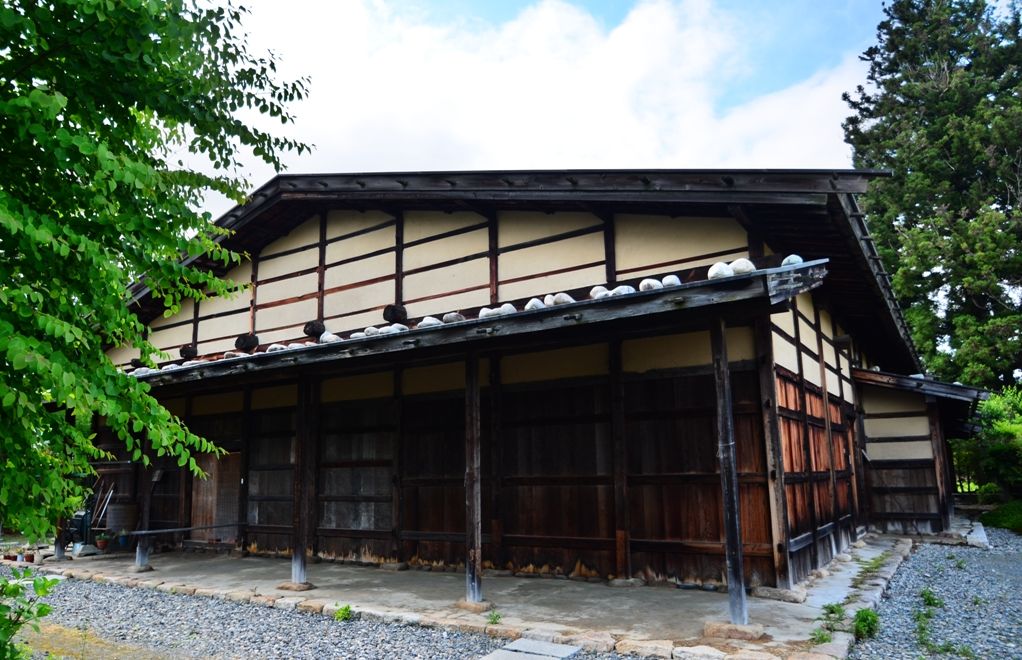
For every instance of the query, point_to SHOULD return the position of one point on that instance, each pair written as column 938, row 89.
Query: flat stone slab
column 504, row 654
column 545, row 649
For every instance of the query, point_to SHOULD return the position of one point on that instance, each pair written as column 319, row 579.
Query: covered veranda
column 696, row 306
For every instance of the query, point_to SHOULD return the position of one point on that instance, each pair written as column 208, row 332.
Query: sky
column 399, row 85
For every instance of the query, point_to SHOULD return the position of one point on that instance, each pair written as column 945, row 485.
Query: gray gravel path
column 189, row 626
column 981, row 611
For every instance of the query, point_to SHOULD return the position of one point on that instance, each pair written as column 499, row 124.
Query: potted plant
column 102, row 540
column 122, row 539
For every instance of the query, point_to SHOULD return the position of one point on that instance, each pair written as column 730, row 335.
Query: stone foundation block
column 657, row 648
column 597, row 642
column 288, row 602
column 697, row 653
column 752, row 631
column 477, row 608
column 504, row 631
column 796, row 595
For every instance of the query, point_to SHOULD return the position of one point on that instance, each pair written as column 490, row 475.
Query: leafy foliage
column 344, row 614
column 111, row 115
column 994, row 456
column 1008, row 516
column 866, row 623
column 943, row 110
column 20, row 606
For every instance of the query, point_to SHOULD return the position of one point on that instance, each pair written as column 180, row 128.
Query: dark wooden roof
column 808, row 212
column 956, row 402
column 689, row 306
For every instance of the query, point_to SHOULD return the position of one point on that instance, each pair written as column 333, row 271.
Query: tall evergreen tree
column 942, row 109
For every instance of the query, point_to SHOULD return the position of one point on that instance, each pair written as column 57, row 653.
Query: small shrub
column 960, row 564
column 834, row 611
column 1008, row 516
column 344, row 614
column 989, row 493
column 930, row 599
column 494, row 617
column 19, row 605
column 821, row 636
column 866, row 623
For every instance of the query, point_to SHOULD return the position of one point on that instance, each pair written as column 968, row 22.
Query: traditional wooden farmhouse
column 540, row 372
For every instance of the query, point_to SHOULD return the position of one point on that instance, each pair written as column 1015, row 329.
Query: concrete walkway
column 642, row 620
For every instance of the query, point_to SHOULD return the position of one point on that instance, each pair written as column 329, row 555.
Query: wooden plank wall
column 390, row 462
column 345, row 266
column 905, row 493
column 816, row 415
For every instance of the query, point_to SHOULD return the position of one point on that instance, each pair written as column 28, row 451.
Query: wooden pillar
column 622, row 545
column 246, row 434
column 942, row 476
column 304, row 503
column 397, row 493
column 473, row 499
column 496, row 466
column 807, row 447
column 728, row 476
column 780, row 534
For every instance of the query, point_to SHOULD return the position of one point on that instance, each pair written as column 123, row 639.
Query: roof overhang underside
column 682, row 308
column 808, row 212
column 957, row 403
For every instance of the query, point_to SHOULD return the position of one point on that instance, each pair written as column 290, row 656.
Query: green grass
column 869, row 569
column 866, row 623
column 1008, row 516
column 494, row 617
column 821, row 636
column 930, row 599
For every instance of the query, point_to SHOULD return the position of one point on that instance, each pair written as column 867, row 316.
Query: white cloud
column 550, row 89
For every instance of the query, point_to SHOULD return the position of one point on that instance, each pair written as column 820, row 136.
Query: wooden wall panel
column 307, row 233
column 345, row 222
column 438, row 281
column 365, row 386
column 647, row 244
column 285, row 265
column 364, row 271
column 223, row 327
column 282, row 290
column 424, row 224
column 575, row 362
column 539, row 286
column 355, row 505
column 517, row 227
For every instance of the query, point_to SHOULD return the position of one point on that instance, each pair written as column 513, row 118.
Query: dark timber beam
column 622, row 526
column 473, row 498
column 306, row 417
column 738, row 606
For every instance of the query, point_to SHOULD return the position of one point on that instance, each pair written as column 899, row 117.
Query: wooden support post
column 942, row 476
column 622, row 545
column 397, row 469
column 728, row 476
column 807, row 447
column 496, row 466
column 774, row 457
column 493, row 253
column 473, row 503
column 304, row 503
column 246, row 435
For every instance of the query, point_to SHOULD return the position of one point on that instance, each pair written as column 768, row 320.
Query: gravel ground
column 188, row 626
column 981, row 614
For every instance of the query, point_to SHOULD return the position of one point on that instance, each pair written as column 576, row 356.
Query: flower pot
column 102, row 543
column 30, row 558
column 122, row 542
